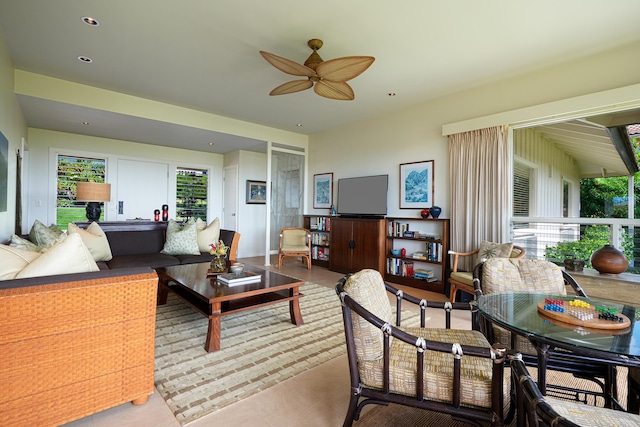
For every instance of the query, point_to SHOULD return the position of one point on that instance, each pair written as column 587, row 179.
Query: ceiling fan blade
column 343, row 69
column 287, row 66
column 334, row 90
column 291, row 87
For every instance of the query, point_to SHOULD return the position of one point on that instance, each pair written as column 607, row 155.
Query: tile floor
column 316, row 398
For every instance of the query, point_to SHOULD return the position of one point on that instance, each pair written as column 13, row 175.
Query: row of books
column 320, row 253
column 401, row 229
column 399, row 267
column 321, row 239
column 433, row 253
column 323, row 224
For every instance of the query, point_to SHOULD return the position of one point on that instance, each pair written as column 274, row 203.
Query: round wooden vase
column 608, row 259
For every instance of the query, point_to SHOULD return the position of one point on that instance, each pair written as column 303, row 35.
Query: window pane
column 521, row 189
column 191, row 194
column 69, row 171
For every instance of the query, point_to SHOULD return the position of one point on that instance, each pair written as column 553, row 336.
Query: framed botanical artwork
column 416, row 185
column 322, row 190
column 256, row 192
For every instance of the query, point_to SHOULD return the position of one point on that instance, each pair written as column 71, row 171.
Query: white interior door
column 230, row 202
column 142, row 188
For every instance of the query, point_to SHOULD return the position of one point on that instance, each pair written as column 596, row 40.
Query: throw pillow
column 24, row 244
column 44, row 236
column 181, row 240
column 13, row 260
column 493, row 250
column 69, row 255
column 95, row 240
column 207, row 233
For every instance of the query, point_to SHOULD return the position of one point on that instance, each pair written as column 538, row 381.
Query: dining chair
column 460, row 280
column 456, row 372
column 534, row 409
column 538, row 276
column 295, row 242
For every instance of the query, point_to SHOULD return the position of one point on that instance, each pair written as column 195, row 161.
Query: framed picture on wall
column 256, row 192
column 416, row 185
column 322, row 190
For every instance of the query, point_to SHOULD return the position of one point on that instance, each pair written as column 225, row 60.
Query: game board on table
column 581, row 313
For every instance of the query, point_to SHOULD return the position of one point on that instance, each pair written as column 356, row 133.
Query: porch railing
column 535, row 234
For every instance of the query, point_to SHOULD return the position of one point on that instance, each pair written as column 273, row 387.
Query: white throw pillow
column 13, row 260
column 181, row 240
column 207, row 233
column 67, row 256
column 95, row 240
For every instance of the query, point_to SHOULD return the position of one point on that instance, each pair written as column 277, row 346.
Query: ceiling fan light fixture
column 328, row 78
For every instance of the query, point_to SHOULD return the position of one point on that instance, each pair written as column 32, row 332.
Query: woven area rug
column 259, row 348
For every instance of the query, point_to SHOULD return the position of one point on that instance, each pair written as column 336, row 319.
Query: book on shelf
column 239, row 278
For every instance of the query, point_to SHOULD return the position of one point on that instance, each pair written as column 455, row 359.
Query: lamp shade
column 93, row 192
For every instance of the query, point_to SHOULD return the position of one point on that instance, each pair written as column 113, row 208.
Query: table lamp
column 94, row 193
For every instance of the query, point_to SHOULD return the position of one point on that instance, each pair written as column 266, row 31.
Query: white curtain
column 480, row 177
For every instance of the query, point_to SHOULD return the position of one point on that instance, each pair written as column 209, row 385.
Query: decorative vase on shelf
column 218, row 264
column 608, row 259
column 435, row 211
column 424, row 213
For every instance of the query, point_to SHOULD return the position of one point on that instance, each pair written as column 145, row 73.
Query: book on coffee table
column 240, row 278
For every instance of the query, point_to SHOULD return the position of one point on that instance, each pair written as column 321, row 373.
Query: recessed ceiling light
column 85, row 123
column 85, row 59
column 211, row 144
column 90, row 21
column 299, row 125
column 391, row 94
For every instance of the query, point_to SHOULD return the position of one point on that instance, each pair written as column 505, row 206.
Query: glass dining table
column 518, row 313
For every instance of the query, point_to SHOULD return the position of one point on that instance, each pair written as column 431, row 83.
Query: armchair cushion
column 367, row 287
column 493, row 250
column 294, row 240
column 465, row 277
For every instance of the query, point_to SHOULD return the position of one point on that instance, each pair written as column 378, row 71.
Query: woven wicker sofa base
column 73, row 345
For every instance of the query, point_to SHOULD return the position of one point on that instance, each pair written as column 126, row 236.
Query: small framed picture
column 256, row 192
column 416, row 185
column 322, row 190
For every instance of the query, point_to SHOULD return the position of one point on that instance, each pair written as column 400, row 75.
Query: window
column 70, row 170
column 566, row 187
column 191, row 194
column 521, row 189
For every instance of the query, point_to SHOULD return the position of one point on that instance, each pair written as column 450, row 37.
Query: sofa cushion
column 44, row 236
column 13, row 260
column 181, row 240
column 155, row 260
column 135, row 242
column 24, row 244
column 207, row 233
column 94, row 239
column 69, row 255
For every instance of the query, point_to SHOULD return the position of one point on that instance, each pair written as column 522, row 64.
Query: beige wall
column 379, row 145
column 12, row 125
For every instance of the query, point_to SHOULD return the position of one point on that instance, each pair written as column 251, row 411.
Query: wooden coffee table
column 215, row 300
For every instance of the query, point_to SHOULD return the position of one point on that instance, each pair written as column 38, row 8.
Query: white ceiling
column 203, row 54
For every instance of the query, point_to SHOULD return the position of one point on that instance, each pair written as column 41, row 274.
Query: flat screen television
column 364, row 196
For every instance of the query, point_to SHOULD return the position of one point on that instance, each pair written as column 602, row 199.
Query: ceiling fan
column 328, row 78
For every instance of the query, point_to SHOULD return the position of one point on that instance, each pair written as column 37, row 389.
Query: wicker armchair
column 463, row 280
column 416, row 366
column 538, row 410
column 295, row 242
column 538, row 276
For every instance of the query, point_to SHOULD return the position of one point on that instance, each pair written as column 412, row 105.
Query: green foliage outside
column 191, row 195
column 70, row 171
column 592, row 238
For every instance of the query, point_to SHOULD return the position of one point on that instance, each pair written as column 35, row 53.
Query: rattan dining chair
column 463, row 280
column 295, row 242
column 534, row 409
column 538, row 276
column 455, row 372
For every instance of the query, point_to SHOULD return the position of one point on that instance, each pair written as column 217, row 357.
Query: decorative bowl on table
column 395, row 252
column 236, row 268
